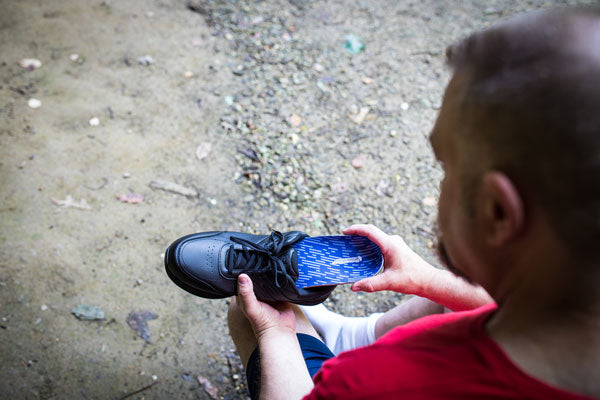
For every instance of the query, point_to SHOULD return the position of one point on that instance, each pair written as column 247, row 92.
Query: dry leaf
column 173, row 188
column 203, row 150
column 131, row 198
column 69, row 202
column 208, row 387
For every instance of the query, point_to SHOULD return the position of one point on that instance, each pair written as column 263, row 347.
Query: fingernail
column 243, row 280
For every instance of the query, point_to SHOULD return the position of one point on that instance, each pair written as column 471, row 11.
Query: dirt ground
column 303, row 134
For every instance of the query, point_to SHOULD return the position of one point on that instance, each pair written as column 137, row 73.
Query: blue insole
column 334, row 260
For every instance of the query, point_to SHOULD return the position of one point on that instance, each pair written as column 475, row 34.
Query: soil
column 273, row 90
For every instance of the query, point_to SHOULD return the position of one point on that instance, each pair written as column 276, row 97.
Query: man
column 518, row 137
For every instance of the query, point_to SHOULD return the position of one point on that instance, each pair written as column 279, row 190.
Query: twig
column 139, row 390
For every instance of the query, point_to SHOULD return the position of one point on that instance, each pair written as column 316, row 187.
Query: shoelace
column 259, row 258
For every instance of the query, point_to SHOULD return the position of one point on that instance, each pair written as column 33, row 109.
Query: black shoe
column 207, row 264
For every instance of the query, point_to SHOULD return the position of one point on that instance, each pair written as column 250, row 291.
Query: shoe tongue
column 290, row 260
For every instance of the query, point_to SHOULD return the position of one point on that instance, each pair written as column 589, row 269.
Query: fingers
column 379, row 237
column 373, row 284
column 246, row 295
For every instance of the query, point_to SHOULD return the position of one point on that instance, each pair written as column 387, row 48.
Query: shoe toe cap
column 196, row 262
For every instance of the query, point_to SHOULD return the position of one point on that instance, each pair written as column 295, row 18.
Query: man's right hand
column 404, row 271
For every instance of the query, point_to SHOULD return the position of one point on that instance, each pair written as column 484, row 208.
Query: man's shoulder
column 430, row 352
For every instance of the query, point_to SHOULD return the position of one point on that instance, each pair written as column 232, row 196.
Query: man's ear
column 504, row 212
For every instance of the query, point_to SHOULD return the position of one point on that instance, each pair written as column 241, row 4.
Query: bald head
column 530, row 101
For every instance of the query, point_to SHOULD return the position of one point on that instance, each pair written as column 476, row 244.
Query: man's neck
column 551, row 330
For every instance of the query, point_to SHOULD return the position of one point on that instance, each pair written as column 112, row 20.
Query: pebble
column 359, row 161
column 188, row 74
column 94, row 121
column 429, row 201
column 146, row 60
column 30, row 63
column 88, row 312
column 34, row 103
column 393, row 133
column 76, row 58
column 295, row 120
column 404, row 106
column 360, row 116
column 203, row 150
column 44, row 307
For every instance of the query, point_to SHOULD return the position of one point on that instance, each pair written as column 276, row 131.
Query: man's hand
column 404, row 271
column 283, row 371
column 264, row 318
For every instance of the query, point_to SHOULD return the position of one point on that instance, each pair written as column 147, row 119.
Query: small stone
column 76, row 58
column 34, row 103
column 229, row 100
column 44, row 307
column 126, row 175
column 294, row 120
column 294, row 138
column 404, row 106
column 238, row 70
column 154, row 377
column 30, row 63
column 360, row 116
column 393, row 133
column 203, row 150
column 87, row 312
column 94, row 121
column 429, row 201
column 188, row 74
column 366, row 80
column 359, row 161
column 146, row 60
column 213, row 202
column 318, row 67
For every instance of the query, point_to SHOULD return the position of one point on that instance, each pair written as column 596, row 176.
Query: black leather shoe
column 207, row 264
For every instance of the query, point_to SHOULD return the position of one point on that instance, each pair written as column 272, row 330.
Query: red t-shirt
column 445, row 356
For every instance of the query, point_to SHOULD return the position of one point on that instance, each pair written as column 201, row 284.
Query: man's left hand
column 265, row 319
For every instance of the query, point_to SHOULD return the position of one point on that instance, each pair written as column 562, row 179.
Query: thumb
column 373, row 284
column 246, row 293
